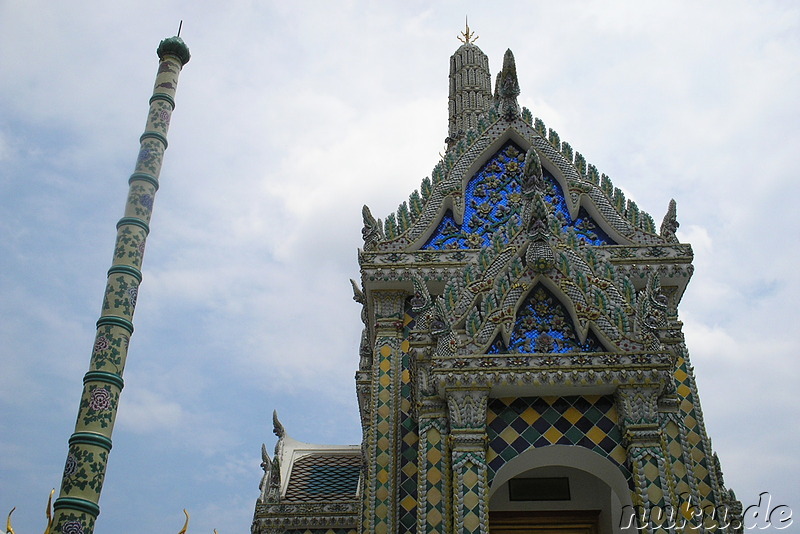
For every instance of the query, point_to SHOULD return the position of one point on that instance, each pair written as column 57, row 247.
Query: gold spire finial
column 49, row 512
column 186, row 524
column 9, row 528
column 468, row 36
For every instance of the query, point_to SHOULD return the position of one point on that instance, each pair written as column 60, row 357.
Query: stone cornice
column 562, row 370
column 312, row 515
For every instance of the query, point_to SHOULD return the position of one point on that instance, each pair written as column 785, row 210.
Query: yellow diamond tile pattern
column 471, row 502
column 434, row 479
column 694, row 432
column 517, row 424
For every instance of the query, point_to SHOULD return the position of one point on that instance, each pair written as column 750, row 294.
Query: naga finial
column 670, row 224
column 467, row 36
column 358, row 295
column 371, row 232
column 277, row 426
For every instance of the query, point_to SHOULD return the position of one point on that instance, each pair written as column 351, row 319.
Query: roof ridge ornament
column 533, row 178
column 507, row 88
column 670, row 224
column 468, row 36
column 539, row 257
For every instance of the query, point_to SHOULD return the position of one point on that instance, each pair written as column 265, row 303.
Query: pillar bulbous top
column 174, row 46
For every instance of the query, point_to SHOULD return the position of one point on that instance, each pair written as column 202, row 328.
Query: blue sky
column 289, row 117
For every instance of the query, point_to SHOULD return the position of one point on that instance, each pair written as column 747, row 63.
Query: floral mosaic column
column 468, row 439
column 380, row 492
column 77, row 508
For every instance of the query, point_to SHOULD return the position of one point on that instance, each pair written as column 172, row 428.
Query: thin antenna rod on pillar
column 179, row 28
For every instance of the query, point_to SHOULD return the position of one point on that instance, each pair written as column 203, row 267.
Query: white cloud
column 147, row 412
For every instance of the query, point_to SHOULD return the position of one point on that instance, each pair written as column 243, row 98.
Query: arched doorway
column 559, row 488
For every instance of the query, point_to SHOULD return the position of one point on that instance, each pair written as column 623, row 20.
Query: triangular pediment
column 494, row 201
column 544, row 325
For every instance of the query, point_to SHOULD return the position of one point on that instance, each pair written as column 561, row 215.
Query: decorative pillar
column 380, row 501
column 641, row 431
column 467, row 412
column 77, row 508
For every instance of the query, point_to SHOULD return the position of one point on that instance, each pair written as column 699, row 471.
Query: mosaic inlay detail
column 493, row 198
column 409, row 439
column 517, row 424
column 544, row 326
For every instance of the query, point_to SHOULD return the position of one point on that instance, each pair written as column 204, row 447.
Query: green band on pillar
column 90, row 438
column 133, row 221
column 112, row 320
column 103, row 376
column 154, row 135
column 163, row 96
column 81, row 505
column 144, row 178
column 126, row 269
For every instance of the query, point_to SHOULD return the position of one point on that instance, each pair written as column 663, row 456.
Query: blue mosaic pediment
column 543, row 325
column 493, row 198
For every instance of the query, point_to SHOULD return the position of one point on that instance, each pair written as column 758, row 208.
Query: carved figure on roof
column 421, row 303
column 670, row 224
column 507, row 88
column 532, row 178
column 539, row 257
column 266, row 465
column 371, row 232
column 364, row 347
column 442, row 330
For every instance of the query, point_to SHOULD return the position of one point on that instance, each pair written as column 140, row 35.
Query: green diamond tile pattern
column 321, row 531
column 407, row 468
column 517, row 424
column 324, row 477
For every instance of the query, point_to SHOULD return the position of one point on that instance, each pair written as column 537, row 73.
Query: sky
column 292, row 115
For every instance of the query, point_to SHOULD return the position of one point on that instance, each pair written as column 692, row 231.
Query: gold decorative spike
column 49, row 512
column 9, row 529
column 186, row 524
column 468, row 36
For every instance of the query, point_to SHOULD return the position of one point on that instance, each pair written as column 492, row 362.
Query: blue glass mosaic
column 493, row 197
column 544, row 326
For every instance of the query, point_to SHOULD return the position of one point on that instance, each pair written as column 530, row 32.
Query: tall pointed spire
column 77, row 508
column 470, row 87
column 506, row 89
